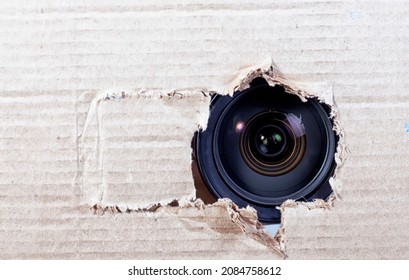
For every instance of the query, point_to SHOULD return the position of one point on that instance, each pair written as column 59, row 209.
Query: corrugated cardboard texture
column 133, row 150
column 371, row 219
column 56, row 57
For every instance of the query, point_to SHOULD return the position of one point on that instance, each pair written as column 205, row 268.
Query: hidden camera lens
column 263, row 146
column 270, row 141
column 273, row 142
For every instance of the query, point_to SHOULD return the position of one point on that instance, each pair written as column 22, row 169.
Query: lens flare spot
column 277, row 137
column 296, row 124
column 239, row 127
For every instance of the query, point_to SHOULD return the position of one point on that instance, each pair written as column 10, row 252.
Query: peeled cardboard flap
column 134, row 149
column 48, row 209
column 76, row 233
column 51, row 53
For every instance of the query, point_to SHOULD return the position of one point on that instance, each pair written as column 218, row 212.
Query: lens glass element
column 270, row 141
column 273, row 142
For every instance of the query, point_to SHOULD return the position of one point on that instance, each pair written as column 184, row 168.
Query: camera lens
column 273, row 143
column 270, row 141
column 263, row 146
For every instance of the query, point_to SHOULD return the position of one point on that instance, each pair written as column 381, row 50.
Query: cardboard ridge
column 99, row 103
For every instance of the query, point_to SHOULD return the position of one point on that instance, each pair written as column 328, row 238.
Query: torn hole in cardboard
column 134, row 152
column 323, row 93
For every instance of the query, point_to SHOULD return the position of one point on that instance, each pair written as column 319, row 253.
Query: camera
column 263, row 146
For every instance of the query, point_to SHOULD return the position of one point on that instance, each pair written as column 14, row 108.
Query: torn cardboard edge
column 321, row 91
column 94, row 98
column 324, row 94
column 90, row 150
column 246, row 218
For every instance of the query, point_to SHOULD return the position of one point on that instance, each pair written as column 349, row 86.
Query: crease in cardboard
column 93, row 114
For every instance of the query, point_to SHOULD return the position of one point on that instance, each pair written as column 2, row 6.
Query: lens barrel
column 263, row 146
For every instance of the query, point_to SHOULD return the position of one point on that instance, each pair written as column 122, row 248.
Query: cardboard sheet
column 86, row 88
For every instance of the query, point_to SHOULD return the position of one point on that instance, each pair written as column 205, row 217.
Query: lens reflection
column 273, row 143
column 239, row 126
column 270, row 140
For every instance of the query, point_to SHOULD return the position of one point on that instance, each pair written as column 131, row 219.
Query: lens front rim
column 214, row 174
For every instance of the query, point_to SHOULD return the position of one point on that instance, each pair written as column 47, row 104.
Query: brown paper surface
column 98, row 103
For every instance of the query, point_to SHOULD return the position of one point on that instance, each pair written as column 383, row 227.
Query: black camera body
column 263, row 146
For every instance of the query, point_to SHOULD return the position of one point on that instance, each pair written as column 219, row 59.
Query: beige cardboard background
column 51, row 54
